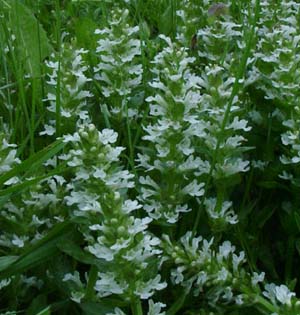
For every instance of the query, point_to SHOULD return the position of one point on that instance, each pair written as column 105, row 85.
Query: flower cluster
column 113, row 234
column 185, row 119
column 275, row 68
column 119, row 72
column 66, row 90
column 275, row 71
column 172, row 166
column 29, row 214
column 154, row 309
column 224, row 140
column 219, row 42
column 218, row 276
column 199, row 268
column 34, row 214
column 282, row 299
column 8, row 158
column 291, row 139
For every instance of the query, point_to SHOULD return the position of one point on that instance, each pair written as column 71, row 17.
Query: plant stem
column 93, row 275
column 136, row 307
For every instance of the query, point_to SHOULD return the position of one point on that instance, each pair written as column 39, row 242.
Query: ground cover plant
column 150, row 157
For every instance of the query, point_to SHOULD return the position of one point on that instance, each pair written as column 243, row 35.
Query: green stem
column 33, row 107
column 136, row 307
column 259, row 300
column 177, row 305
column 130, row 143
column 220, row 197
column 58, row 86
column 289, row 258
column 93, row 276
column 266, row 304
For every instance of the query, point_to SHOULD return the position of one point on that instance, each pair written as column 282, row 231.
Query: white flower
column 270, row 291
column 77, row 296
column 257, row 277
column 108, row 136
column 49, row 130
column 223, row 274
column 130, row 205
column 239, row 299
column 101, row 252
column 228, row 295
column 202, row 277
column 84, row 200
column 108, row 285
column 72, row 138
column 194, row 189
column 4, row 283
column 224, row 213
column 13, row 180
column 237, row 260
column 177, row 274
column 19, row 241
column 73, row 277
column 225, row 250
column 283, row 294
column 155, row 308
column 230, row 167
column 99, row 173
column 185, row 146
column 139, row 225
column 145, row 290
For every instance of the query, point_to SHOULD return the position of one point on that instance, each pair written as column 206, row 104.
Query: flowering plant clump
column 98, row 194
column 119, row 72
column 149, row 157
column 67, row 96
column 171, row 161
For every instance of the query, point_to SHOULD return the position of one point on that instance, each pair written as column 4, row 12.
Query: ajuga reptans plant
column 160, row 171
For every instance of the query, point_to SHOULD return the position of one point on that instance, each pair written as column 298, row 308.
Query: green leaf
column 263, row 216
column 166, row 21
column 19, row 187
column 84, row 31
column 44, row 250
column 72, row 249
column 37, row 305
column 31, row 38
column 268, row 184
column 45, row 311
column 96, row 308
column 297, row 220
column 6, row 261
column 34, row 161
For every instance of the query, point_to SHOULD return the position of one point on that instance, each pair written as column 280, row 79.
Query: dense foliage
column 150, row 157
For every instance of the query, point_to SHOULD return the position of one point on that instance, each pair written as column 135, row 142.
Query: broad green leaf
column 45, row 311
column 6, row 261
column 96, row 308
column 31, row 38
column 166, row 21
column 84, row 30
column 19, row 187
column 72, row 249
